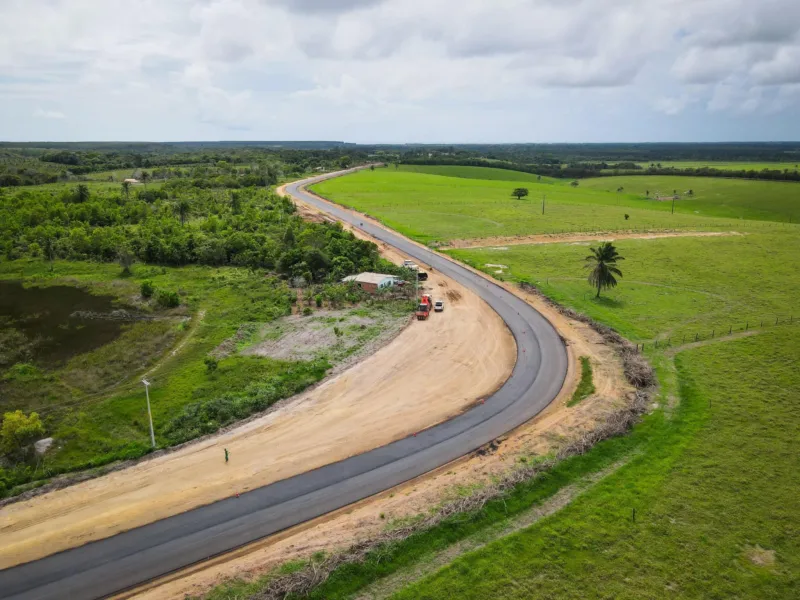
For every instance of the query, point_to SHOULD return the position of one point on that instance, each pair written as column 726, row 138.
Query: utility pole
column 543, row 197
column 673, row 204
column 149, row 414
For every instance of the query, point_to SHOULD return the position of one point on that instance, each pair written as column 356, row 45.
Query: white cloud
column 193, row 67
column 48, row 114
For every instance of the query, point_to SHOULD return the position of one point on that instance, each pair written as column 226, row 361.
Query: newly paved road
column 106, row 566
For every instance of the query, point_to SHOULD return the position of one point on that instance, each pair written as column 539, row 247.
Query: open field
column 714, row 494
column 671, row 286
column 727, row 198
column 486, row 173
column 434, row 208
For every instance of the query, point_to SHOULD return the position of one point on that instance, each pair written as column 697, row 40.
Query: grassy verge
column 586, row 385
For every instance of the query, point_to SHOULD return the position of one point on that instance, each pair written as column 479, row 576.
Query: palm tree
column 145, row 176
column 602, row 262
column 183, row 209
column 126, row 189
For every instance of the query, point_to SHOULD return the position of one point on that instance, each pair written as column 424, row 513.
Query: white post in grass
column 149, row 414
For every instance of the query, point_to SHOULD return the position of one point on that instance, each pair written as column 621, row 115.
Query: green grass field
column 487, row 173
column 727, row 198
column 670, row 286
column 435, row 208
column 714, row 490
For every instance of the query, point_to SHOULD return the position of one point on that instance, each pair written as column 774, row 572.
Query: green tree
column 520, row 193
column 147, row 289
column 574, row 183
column 344, row 161
column 82, row 193
column 126, row 189
column 145, row 176
column 602, row 264
column 125, row 258
column 183, row 208
column 18, row 432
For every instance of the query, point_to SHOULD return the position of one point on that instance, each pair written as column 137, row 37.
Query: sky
column 400, row 71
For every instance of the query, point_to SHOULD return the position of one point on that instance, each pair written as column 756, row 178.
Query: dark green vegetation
column 38, row 163
column 585, row 385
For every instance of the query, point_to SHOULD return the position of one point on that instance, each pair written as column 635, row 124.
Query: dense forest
column 184, row 221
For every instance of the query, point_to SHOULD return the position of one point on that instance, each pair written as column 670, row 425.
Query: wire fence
column 661, row 228
column 690, row 338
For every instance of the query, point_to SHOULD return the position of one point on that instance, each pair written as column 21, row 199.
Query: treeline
column 30, row 165
column 180, row 225
column 605, row 169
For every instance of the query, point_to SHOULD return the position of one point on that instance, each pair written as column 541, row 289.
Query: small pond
column 35, row 323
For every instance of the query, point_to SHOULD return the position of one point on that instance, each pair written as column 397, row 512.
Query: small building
column 372, row 282
column 130, row 180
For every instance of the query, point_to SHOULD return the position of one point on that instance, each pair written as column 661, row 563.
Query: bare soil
column 558, row 238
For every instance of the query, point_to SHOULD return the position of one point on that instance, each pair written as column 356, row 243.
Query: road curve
column 127, row 559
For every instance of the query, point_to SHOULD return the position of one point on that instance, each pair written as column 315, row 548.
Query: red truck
column 424, row 308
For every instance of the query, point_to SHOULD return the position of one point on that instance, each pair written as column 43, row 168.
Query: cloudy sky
column 400, row 70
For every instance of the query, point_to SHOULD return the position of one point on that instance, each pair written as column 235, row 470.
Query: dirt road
column 558, row 238
column 430, row 372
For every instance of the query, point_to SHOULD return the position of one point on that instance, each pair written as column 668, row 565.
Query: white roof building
column 372, row 281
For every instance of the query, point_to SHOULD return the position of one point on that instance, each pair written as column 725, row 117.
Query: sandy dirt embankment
column 433, row 370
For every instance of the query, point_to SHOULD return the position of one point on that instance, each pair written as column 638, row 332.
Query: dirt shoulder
column 559, row 238
column 389, row 395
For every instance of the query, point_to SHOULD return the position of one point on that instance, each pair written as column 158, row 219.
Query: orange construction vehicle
column 424, row 308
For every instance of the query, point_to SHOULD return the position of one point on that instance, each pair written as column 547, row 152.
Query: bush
column 318, row 300
column 19, row 431
column 168, row 299
column 211, row 364
column 147, row 289
column 307, row 311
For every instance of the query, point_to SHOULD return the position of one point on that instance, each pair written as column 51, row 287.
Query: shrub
column 307, row 311
column 211, row 364
column 318, row 300
column 147, row 289
column 19, row 431
column 168, row 299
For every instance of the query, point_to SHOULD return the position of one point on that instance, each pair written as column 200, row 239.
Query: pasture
column 712, row 196
column 707, row 507
column 670, row 287
column 435, row 208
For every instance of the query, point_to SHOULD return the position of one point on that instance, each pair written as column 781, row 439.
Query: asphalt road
column 120, row 562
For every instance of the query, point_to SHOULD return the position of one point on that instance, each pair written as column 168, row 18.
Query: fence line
column 715, row 333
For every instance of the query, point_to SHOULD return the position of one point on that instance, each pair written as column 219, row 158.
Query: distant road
column 125, row 560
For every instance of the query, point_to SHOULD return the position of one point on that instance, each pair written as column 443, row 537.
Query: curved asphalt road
column 113, row 564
